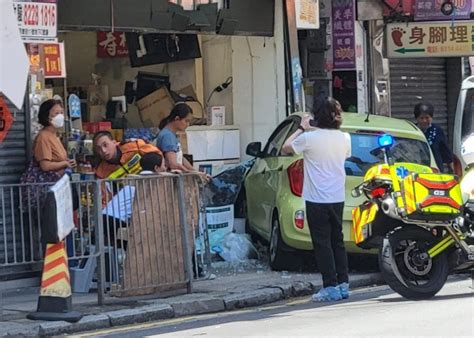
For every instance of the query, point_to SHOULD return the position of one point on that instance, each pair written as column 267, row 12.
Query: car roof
column 355, row 122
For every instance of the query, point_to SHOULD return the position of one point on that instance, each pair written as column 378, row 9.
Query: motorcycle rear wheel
column 403, row 269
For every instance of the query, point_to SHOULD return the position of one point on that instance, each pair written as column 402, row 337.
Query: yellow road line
column 137, row 326
column 189, row 318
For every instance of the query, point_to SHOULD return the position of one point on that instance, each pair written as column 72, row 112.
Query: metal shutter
column 412, row 79
column 12, row 164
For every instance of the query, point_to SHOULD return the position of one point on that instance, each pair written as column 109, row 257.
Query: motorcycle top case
column 432, row 197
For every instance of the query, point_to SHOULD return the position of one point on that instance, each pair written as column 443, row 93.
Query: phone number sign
column 37, row 21
column 430, row 39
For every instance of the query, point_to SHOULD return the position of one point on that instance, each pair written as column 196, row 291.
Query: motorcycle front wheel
column 406, row 266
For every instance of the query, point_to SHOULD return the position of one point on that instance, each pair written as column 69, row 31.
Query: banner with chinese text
column 343, row 36
column 110, row 45
column 430, row 39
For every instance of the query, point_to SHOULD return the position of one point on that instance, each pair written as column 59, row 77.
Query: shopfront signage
column 54, row 60
column 307, row 14
column 37, row 20
column 430, row 10
column 343, row 40
column 430, row 39
column 6, row 119
column 110, row 45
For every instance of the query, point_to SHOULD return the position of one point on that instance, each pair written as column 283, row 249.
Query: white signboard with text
column 64, row 214
column 37, row 21
column 307, row 14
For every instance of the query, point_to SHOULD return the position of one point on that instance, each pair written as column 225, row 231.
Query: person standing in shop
column 434, row 134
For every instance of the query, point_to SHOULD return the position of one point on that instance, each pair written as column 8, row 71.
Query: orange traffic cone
column 55, row 300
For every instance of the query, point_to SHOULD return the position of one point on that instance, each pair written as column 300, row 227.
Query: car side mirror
column 254, row 149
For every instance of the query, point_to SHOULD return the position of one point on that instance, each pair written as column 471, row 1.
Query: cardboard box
column 117, row 134
column 94, row 127
column 197, row 109
column 187, row 92
column 183, row 139
column 155, row 107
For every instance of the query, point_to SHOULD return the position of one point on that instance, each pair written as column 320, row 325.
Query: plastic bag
column 224, row 188
column 236, row 248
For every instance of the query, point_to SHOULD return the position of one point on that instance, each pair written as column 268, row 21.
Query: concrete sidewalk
column 229, row 291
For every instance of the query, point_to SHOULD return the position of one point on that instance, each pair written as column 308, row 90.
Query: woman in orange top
column 48, row 150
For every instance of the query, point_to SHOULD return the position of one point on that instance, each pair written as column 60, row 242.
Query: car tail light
column 296, row 176
column 299, row 219
column 378, row 192
column 435, row 170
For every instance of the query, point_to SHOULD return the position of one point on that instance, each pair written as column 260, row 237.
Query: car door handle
column 280, row 168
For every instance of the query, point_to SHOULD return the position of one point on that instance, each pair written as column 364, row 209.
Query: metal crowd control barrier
column 133, row 236
column 149, row 228
column 21, row 212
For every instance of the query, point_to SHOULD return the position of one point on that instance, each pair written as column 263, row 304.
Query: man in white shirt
column 325, row 149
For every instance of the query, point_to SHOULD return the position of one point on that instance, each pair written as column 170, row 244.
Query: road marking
column 137, row 326
column 181, row 320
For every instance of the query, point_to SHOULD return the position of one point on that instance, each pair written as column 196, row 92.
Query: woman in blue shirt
column 435, row 136
column 168, row 141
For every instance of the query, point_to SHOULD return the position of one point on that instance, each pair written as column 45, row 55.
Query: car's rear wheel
column 279, row 258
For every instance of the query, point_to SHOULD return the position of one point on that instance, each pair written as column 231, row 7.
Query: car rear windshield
column 366, row 152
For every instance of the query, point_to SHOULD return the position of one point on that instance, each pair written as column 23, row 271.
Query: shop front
column 125, row 78
column 417, row 53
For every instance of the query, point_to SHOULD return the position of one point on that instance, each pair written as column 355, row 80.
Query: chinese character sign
column 430, row 39
column 426, row 10
column 54, row 64
column 343, row 16
column 307, row 14
column 110, row 45
column 37, row 20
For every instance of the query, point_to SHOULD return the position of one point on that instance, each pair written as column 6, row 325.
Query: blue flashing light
column 385, row 141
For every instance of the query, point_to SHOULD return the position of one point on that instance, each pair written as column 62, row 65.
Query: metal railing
column 138, row 231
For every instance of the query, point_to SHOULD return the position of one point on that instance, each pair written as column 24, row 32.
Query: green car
column 273, row 186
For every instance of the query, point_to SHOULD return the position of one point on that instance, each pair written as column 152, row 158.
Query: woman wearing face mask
column 48, row 150
column 48, row 162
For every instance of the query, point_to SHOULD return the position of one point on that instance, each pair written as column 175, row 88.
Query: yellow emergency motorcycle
column 417, row 219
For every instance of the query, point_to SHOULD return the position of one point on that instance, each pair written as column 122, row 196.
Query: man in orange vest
column 119, row 160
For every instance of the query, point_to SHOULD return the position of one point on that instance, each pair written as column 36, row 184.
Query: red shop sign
column 111, row 45
column 6, row 119
column 54, row 64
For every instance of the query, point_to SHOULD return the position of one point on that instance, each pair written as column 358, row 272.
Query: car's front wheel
column 279, row 258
